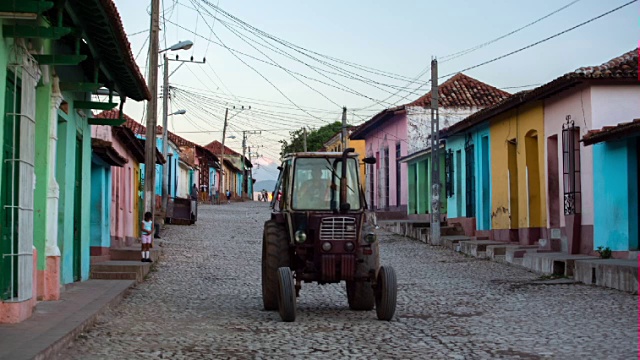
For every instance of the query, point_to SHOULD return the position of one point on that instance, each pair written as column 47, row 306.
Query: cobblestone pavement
column 204, row 301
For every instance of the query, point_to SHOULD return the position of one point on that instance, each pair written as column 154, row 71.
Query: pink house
column 125, row 182
column 385, row 137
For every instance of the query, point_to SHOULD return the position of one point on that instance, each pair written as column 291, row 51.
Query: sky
column 354, row 54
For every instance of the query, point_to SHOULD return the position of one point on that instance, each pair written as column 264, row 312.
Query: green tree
column 315, row 138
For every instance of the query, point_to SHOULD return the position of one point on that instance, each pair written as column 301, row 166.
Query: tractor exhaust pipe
column 344, row 205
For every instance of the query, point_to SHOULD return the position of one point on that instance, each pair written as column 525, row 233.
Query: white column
column 53, row 190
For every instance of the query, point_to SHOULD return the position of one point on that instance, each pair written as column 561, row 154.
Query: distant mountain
column 268, row 185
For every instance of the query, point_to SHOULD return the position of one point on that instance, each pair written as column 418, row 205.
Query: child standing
column 147, row 230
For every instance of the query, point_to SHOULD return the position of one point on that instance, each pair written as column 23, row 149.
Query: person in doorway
column 147, row 229
column 228, row 197
column 203, row 193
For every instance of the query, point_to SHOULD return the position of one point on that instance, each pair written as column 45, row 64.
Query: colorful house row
column 399, row 183
column 237, row 172
column 556, row 165
column 51, row 60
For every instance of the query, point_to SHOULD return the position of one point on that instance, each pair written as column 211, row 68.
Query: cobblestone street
column 204, row 301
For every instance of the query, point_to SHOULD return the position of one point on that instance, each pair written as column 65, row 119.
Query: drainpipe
column 53, row 190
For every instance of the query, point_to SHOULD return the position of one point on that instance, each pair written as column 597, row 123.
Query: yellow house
column 335, row 145
column 517, row 172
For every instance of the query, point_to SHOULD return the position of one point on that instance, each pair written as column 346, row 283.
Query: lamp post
column 182, row 45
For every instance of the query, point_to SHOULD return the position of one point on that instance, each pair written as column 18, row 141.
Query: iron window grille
column 448, row 172
column 571, row 167
column 386, row 178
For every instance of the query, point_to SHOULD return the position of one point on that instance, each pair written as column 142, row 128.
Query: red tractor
column 318, row 233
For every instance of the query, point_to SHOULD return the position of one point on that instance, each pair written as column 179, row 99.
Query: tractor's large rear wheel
column 275, row 254
column 386, row 293
column 360, row 295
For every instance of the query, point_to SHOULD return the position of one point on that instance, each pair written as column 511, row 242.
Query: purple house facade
column 385, row 137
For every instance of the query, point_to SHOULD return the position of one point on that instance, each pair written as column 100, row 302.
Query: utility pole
column 152, row 111
column 435, row 157
column 224, row 135
column 305, row 139
column 344, row 128
column 165, row 117
column 244, row 146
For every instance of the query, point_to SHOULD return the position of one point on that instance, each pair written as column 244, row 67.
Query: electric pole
column 344, row 128
column 165, row 117
column 224, row 135
column 305, row 139
column 244, row 146
column 152, row 111
column 435, row 157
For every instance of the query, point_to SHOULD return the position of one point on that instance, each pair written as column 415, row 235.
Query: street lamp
column 182, row 45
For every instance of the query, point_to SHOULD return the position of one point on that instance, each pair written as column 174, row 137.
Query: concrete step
column 477, row 248
column 133, row 253
column 516, row 253
column 451, row 241
column 100, row 275
column 141, row 269
column 502, row 249
column 612, row 273
column 553, row 263
column 451, row 230
column 99, row 259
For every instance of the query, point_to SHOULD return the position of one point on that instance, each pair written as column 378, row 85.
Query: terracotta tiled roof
column 622, row 69
column 463, row 91
column 216, row 148
column 607, row 133
column 625, row 65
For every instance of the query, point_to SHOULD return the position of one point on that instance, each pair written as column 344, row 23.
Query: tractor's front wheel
column 275, row 254
column 286, row 295
column 386, row 293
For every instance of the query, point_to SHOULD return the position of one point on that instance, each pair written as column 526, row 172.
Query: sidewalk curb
column 51, row 351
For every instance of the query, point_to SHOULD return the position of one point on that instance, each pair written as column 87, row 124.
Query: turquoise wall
column 172, row 172
column 70, row 127
column 482, row 153
column 457, row 203
column 615, row 184
column 100, row 217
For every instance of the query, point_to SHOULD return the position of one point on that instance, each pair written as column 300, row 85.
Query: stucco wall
column 614, row 104
column 389, row 134
column 524, row 125
column 419, row 124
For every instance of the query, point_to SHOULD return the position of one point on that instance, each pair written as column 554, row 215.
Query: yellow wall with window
column 335, row 145
column 518, row 168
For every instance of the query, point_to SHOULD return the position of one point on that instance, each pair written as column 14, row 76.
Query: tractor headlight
column 300, row 236
column 326, row 246
column 349, row 246
column 370, row 238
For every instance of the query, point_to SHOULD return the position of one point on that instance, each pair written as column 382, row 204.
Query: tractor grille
column 338, row 228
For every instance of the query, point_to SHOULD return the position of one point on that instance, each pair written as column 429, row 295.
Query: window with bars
column 448, row 173
column 571, row 168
